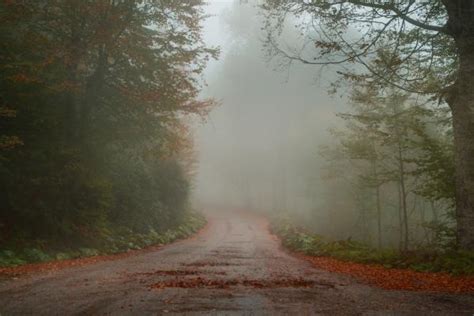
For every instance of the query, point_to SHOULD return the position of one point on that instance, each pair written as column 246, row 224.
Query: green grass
column 455, row 262
column 117, row 241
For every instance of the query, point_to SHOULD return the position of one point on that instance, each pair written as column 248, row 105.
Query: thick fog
column 259, row 149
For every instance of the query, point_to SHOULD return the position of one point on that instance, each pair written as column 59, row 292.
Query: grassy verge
column 452, row 261
column 117, row 241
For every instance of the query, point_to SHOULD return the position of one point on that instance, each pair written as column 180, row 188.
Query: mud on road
column 235, row 266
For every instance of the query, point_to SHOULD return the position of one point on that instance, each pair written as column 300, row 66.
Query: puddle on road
column 210, row 264
column 169, row 272
column 178, row 273
column 227, row 283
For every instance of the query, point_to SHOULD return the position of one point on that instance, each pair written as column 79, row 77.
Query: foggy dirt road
column 235, row 266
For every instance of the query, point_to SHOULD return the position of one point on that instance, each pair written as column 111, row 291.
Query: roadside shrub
column 120, row 239
column 433, row 260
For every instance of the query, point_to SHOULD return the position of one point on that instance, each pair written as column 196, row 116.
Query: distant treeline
column 93, row 100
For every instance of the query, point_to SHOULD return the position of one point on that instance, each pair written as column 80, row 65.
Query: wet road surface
column 234, row 267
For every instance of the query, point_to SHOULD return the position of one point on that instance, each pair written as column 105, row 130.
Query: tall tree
column 423, row 47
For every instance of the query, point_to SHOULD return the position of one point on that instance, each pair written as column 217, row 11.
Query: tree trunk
column 403, row 194
column 364, row 227
column 434, row 211
column 462, row 106
column 379, row 217
column 76, row 51
column 461, row 101
column 376, row 182
column 400, row 219
column 378, row 205
column 92, row 95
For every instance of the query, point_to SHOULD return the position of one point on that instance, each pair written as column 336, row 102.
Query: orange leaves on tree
column 23, row 78
column 7, row 112
column 200, row 108
column 9, row 142
column 66, row 86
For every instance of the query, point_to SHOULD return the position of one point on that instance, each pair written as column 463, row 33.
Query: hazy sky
column 259, row 146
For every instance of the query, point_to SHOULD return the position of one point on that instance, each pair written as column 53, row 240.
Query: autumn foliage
column 94, row 97
column 397, row 279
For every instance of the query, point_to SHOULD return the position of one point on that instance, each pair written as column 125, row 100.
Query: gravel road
column 234, row 267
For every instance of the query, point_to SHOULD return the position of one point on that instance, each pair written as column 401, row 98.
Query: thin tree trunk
column 435, row 219
column 379, row 217
column 76, row 50
column 378, row 205
column 403, row 195
column 93, row 92
column 400, row 218
column 364, row 227
column 435, row 212
column 375, row 176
